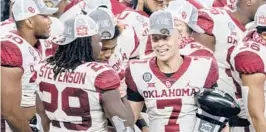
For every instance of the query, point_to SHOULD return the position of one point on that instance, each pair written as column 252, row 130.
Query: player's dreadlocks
column 5, row 4
column 68, row 57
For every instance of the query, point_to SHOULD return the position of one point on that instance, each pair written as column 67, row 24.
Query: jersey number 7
column 176, row 104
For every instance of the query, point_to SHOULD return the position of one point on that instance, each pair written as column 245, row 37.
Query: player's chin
column 43, row 36
column 162, row 57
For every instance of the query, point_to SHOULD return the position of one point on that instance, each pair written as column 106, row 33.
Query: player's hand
column 145, row 129
column 226, row 128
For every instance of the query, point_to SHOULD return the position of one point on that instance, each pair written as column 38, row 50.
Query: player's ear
column 29, row 22
column 263, row 35
column 249, row 2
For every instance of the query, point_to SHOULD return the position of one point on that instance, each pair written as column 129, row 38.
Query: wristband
column 141, row 123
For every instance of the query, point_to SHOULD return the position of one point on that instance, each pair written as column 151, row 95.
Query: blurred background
column 4, row 9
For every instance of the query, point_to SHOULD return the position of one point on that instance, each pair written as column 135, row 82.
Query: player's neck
column 241, row 16
column 28, row 36
column 171, row 65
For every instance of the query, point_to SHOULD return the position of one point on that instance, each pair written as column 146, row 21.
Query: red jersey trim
column 161, row 76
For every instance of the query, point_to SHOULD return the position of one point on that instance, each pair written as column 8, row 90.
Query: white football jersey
column 227, row 32
column 17, row 52
column 7, row 25
column 72, row 101
column 127, row 44
column 247, row 58
column 140, row 24
column 189, row 47
column 170, row 100
column 47, row 46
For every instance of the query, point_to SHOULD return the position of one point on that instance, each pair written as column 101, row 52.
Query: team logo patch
column 262, row 20
column 147, row 76
column 106, row 35
column 31, row 9
column 184, row 15
column 165, row 31
column 31, row 51
column 168, row 84
column 140, row 19
column 206, row 127
column 82, row 30
column 231, row 26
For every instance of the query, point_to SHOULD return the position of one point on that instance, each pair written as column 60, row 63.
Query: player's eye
column 155, row 38
column 165, row 37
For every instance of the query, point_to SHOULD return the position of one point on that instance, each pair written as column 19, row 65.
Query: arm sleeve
column 202, row 52
column 10, row 55
column 195, row 3
column 107, row 80
column 205, row 22
column 213, row 75
column 219, row 3
column 132, row 91
column 248, row 63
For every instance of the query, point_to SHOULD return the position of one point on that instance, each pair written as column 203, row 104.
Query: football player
column 187, row 15
column 82, row 92
column 167, row 83
column 248, row 64
column 47, row 47
column 115, row 49
column 223, row 30
column 139, row 21
column 18, row 57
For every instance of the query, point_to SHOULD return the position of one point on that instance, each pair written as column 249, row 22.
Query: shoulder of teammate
column 219, row 3
column 201, row 50
column 117, row 7
column 129, row 79
column 248, row 61
column 213, row 74
column 133, row 17
column 205, row 20
column 130, row 47
column 128, row 73
column 106, row 78
column 192, row 48
column 195, row 3
column 11, row 55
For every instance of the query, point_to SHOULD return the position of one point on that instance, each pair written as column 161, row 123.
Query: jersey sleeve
column 219, row 3
column 132, row 90
column 195, row 3
column 248, row 62
column 117, row 7
column 205, row 22
column 107, row 80
column 202, row 52
column 213, row 75
column 10, row 55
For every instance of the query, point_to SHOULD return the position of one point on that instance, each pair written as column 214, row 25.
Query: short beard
column 147, row 9
column 38, row 36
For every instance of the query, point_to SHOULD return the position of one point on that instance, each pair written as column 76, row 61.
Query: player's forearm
column 129, row 109
column 259, row 123
column 46, row 124
column 17, row 122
